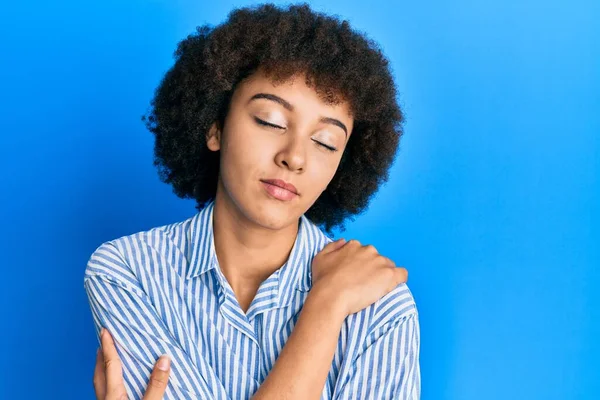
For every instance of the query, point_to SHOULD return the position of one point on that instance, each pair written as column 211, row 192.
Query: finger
column 158, row 379
column 113, row 370
column 401, row 275
column 388, row 262
column 332, row 246
column 99, row 377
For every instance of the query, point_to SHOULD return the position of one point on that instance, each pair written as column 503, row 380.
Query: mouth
column 280, row 189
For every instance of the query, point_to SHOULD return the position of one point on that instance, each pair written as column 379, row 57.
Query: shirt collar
column 296, row 272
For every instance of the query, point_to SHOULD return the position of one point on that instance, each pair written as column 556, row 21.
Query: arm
column 347, row 277
column 389, row 367
column 119, row 304
column 301, row 370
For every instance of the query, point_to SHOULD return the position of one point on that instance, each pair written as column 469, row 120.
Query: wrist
column 326, row 302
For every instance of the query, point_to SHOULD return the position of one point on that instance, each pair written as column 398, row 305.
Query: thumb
column 159, row 379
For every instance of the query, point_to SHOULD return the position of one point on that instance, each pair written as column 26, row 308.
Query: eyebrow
column 290, row 107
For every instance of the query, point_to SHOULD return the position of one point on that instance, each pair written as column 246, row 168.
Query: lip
column 282, row 184
column 278, row 192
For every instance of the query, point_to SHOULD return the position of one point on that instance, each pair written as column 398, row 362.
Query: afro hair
column 340, row 64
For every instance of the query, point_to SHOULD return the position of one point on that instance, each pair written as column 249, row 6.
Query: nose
column 292, row 156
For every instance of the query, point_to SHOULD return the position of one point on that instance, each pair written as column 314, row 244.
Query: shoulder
column 314, row 236
column 394, row 314
column 122, row 258
column 394, row 308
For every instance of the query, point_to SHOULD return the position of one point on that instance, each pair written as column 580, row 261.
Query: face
column 286, row 133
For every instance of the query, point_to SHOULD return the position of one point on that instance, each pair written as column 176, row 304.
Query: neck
column 247, row 252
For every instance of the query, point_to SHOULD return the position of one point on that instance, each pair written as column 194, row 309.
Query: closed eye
column 332, row 149
column 265, row 123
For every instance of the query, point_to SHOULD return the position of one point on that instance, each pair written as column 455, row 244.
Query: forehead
column 295, row 90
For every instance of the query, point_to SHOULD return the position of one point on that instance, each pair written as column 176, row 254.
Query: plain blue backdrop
column 492, row 205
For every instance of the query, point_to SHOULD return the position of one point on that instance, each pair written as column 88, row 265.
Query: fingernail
column 163, row 363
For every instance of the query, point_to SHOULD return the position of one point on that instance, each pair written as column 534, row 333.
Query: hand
column 108, row 375
column 352, row 276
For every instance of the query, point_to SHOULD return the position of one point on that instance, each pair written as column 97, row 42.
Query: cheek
column 244, row 151
column 321, row 172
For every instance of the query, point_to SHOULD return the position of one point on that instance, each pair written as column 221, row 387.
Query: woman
column 277, row 122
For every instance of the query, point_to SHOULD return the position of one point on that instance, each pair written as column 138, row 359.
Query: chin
column 272, row 217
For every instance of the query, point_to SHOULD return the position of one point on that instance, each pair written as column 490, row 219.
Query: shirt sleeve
column 119, row 304
column 389, row 367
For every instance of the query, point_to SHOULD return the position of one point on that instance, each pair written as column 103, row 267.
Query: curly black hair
column 340, row 65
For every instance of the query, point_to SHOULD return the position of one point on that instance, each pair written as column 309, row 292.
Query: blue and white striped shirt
column 161, row 291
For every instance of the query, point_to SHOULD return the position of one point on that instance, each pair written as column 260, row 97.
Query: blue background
column 492, row 205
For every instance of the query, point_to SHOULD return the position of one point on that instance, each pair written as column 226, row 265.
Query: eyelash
column 265, row 123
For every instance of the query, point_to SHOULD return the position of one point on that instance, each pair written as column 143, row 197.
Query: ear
column 213, row 137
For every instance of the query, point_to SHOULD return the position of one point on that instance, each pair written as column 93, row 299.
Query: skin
column 254, row 233
column 108, row 374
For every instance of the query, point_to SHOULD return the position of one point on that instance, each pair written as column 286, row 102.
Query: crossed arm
column 388, row 368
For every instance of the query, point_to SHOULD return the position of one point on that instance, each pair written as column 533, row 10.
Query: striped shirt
column 161, row 291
